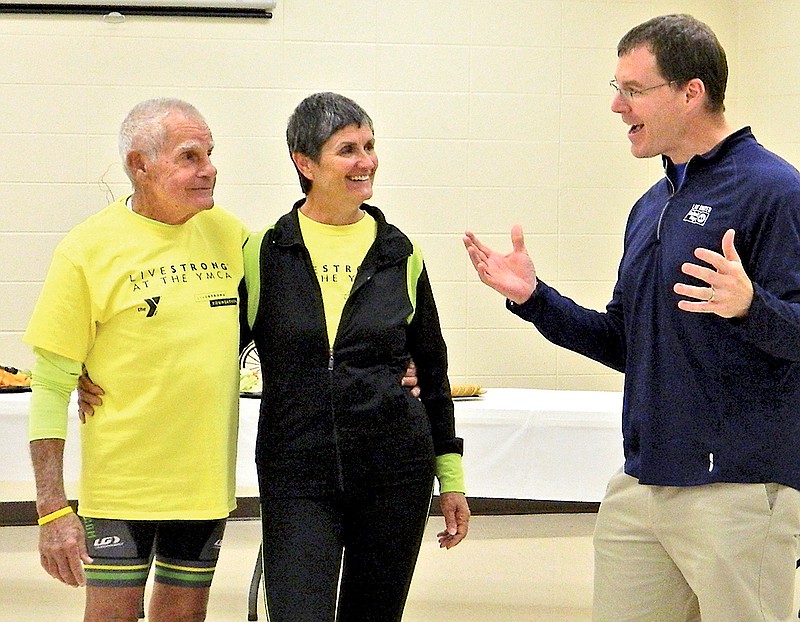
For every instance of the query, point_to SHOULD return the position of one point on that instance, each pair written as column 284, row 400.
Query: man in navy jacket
column 705, row 323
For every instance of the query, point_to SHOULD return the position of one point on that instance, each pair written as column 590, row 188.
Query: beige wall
column 486, row 114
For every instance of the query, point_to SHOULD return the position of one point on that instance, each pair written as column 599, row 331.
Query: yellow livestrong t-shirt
column 336, row 253
column 152, row 310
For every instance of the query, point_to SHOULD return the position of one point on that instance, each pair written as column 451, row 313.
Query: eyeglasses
column 629, row 94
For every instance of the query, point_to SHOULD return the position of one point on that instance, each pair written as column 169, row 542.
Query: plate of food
column 466, row 391
column 13, row 380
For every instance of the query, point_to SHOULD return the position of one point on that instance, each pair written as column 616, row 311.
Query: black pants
column 378, row 532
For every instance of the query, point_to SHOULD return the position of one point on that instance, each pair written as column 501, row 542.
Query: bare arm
column 48, row 467
column 62, row 544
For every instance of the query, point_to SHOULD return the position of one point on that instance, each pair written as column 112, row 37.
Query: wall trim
column 21, row 513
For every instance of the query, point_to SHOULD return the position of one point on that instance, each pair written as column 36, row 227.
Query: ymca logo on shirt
column 698, row 215
column 152, row 306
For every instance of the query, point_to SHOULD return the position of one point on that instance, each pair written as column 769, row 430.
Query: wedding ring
column 713, row 293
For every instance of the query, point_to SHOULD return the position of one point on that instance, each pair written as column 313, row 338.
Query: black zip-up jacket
column 337, row 418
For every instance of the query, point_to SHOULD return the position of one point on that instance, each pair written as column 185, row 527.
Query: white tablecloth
column 518, row 444
column 544, row 445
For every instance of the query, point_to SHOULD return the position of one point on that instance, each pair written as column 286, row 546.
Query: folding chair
column 252, row 601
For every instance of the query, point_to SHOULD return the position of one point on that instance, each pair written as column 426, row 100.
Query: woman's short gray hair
column 315, row 120
column 143, row 129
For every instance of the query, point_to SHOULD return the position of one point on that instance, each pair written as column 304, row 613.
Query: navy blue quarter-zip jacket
column 335, row 416
column 706, row 399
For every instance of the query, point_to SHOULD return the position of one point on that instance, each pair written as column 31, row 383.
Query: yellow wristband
column 48, row 518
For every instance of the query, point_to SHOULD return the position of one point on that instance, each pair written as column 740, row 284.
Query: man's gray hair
column 143, row 129
column 315, row 120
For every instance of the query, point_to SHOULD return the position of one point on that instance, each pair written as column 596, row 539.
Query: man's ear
column 137, row 163
column 695, row 91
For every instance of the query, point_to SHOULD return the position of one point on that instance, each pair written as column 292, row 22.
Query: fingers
column 84, row 409
column 451, row 536
column 513, row 275
column 470, row 241
column 728, row 249
column 705, row 296
column 456, row 517
column 68, row 570
column 85, row 557
column 85, row 384
column 410, row 377
column 700, row 272
column 76, row 565
column 90, row 399
column 88, row 396
column 702, row 294
column 518, row 239
column 58, row 565
column 728, row 291
column 476, row 255
column 62, row 550
column 479, row 252
column 720, row 262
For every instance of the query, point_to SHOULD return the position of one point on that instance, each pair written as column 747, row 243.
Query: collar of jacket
column 718, row 151
column 391, row 244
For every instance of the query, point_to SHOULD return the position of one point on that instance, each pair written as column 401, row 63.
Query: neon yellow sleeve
column 450, row 473
column 53, row 379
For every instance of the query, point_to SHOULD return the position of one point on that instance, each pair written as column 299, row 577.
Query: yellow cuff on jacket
column 450, row 473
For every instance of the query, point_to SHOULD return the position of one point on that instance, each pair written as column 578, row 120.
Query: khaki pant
column 716, row 553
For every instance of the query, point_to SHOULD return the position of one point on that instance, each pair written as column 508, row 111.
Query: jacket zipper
column 671, row 194
column 358, row 285
column 339, row 467
column 334, row 428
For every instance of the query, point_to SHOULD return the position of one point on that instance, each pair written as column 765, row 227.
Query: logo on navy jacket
column 698, row 215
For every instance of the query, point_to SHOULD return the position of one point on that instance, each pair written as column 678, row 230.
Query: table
column 537, row 444
column 518, row 444
column 16, row 472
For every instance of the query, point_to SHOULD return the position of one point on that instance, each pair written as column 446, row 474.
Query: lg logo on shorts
column 108, row 541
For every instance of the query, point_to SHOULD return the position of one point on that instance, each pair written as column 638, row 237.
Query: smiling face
column 345, row 170
column 179, row 182
column 658, row 125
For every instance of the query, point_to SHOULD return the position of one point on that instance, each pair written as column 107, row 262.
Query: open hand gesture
column 513, row 275
column 729, row 292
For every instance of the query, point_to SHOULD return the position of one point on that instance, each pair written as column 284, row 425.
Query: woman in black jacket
column 338, row 302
